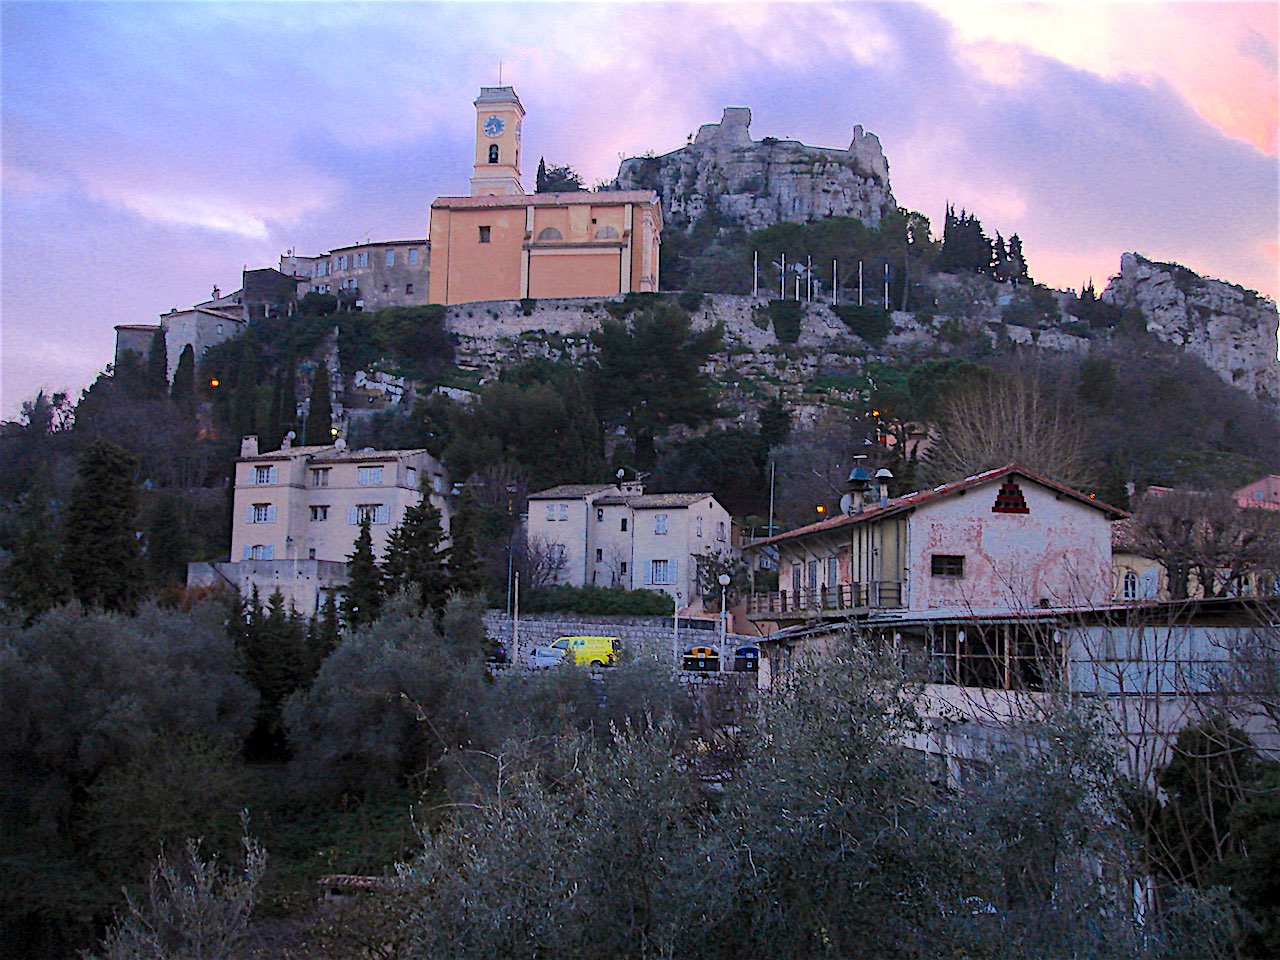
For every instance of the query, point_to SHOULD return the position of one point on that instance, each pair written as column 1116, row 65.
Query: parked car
column 498, row 652
column 586, row 651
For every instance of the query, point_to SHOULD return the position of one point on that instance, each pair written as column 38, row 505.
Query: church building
column 503, row 244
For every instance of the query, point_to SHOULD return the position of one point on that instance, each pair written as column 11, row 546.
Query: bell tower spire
column 499, row 118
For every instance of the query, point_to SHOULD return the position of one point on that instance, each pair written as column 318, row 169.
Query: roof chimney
column 883, row 476
column 855, row 492
column 249, row 446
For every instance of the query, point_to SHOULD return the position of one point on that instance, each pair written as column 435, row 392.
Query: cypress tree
column 156, row 377
column 289, row 389
column 540, row 185
column 464, row 562
column 167, row 545
column 362, row 601
column 324, row 634
column 33, row 580
column 183, row 392
column 320, row 414
column 414, row 561
column 100, row 546
column 273, row 433
column 245, row 402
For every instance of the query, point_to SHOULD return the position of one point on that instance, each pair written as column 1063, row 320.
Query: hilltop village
column 677, row 550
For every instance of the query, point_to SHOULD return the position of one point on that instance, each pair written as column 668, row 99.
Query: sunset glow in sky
column 151, row 151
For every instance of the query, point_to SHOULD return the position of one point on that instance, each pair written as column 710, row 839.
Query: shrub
column 690, row 300
column 593, row 599
column 786, row 316
column 872, row 324
column 528, row 305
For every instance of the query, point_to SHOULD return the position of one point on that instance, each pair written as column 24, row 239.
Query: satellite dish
column 291, row 435
column 621, row 473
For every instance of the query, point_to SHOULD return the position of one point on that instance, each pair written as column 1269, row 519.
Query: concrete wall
column 303, row 583
column 638, row 636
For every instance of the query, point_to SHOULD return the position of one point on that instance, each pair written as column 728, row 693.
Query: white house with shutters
column 619, row 536
column 298, row 511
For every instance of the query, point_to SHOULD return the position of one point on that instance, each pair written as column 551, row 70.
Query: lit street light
column 724, row 615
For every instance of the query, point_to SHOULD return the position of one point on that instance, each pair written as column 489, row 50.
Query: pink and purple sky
column 151, row 151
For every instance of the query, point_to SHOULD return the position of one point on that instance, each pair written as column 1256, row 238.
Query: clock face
column 494, row 126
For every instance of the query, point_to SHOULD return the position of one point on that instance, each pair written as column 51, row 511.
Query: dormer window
column 493, row 153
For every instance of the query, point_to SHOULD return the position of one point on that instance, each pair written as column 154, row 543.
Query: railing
column 845, row 596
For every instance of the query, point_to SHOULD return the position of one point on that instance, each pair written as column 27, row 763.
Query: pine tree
column 320, row 414
column 156, row 377
column 245, row 402
column 100, row 545
column 362, row 601
column 183, row 392
column 1017, row 262
column 414, row 562
column 277, row 662
column 33, row 580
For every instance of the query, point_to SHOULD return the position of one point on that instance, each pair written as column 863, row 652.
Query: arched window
column 493, row 153
column 1129, row 590
column 550, row 233
column 606, row 233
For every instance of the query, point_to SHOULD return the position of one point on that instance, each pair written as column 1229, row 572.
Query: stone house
column 619, row 536
column 389, row 273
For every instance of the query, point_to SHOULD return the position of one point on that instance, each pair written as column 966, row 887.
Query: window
column 1129, row 590
column 261, row 513
column 719, row 529
column 660, row 571
column 408, row 289
column 320, row 513
column 219, row 328
column 260, row 551
column 386, row 288
column 699, row 526
column 373, row 512
column 411, row 477
column 485, row 234
column 947, row 565
column 551, row 513
column 599, row 514
column 564, row 511
column 833, row 571
column 437, row 483
column 660, row 524
column 606, row 233
column 362, row 259
column 320, row 477
column 342, row 262
column 599, row 555
column 493, row 153
column 550, row 233
column 624, row 525
column 557, row 554
column 263, row 475
column 370, row 476
column 311, row 553
column 391, row 258
column 622, row 568
column 413, row 256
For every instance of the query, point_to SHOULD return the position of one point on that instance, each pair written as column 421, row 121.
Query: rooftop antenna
column 499, row 73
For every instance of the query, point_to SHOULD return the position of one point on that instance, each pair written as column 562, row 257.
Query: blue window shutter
column 271, row 513
column 269, row 553
column 248, row 552
column 353, row 516
column 248, row 514
column 274, row 474
column 384, row 513
column 648, row 572
column 674, row 569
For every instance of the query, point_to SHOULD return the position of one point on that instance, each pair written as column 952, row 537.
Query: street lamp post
column 675, row 628
column 724, row 615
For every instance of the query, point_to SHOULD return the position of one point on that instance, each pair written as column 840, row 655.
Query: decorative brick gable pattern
column 1010, row 499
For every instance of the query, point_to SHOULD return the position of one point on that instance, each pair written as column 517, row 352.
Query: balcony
column 839, row 600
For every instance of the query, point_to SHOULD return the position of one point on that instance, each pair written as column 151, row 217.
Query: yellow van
column 591, row 651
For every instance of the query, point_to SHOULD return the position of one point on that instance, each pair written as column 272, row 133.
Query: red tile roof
column 912, row 500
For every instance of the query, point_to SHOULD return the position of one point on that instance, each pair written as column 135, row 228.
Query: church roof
column 575, row 197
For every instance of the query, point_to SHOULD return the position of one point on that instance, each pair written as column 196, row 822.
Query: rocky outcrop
column 1232, row 329
column 757, row 183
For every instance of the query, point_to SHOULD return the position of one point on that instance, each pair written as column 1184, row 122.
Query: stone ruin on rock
column 757, row 183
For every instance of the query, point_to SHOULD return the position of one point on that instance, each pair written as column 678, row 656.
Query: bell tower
column 499, row 117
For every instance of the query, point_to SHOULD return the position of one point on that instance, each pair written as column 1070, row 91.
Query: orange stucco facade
column 503, row 244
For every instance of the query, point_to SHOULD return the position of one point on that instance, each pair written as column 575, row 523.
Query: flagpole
column 834, row 284
column 782, row 280
column 859, row 283
column 755, row 274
